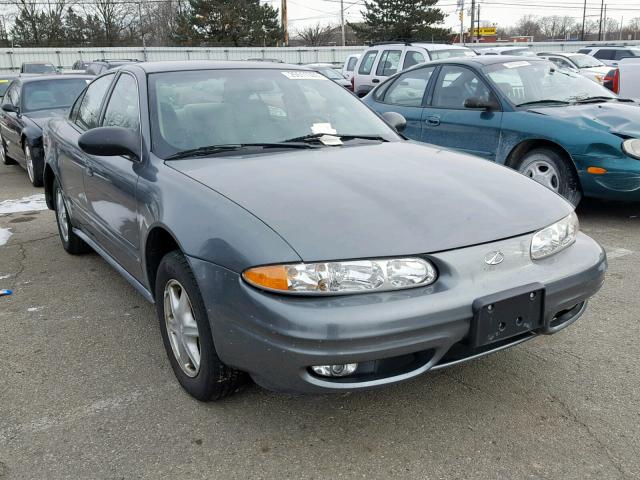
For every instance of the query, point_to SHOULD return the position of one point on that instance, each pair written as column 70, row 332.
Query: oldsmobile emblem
column 493, row 258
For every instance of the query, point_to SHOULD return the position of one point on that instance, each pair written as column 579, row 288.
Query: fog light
column 335, row 370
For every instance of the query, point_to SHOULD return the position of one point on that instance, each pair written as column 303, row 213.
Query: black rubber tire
column 214, row 380
column 5, row 160
column 38, row 168
column 74, row 244
column 568, row 183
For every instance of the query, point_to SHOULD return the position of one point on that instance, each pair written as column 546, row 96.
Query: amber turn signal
column 596, row 170
column 273, row 277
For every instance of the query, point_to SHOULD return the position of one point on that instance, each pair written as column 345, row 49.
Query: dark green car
column 555, row 126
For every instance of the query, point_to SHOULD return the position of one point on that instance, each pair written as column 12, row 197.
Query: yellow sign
column 485, row 31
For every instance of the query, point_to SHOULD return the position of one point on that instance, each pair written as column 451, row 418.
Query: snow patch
column 34, row 309
column 5, row 234
column 32, row 203
column 4, row 277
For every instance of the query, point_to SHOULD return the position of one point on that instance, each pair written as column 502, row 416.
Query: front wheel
column 34, row 167
column 551, row 170
column 186, row 333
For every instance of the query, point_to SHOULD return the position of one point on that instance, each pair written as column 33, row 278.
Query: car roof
column 614, row 47
column 40, row 78
column 504, row 49
column 37, row 63
column 426, row 45
column 189, row 65
column 482, row 60
column 319, row 65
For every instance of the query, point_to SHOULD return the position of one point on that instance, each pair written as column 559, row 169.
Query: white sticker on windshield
column 302, row 75
column 318, row 128
column 516, row 64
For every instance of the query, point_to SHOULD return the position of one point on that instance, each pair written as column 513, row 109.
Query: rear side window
column 351, row 64
column 367, row 62
column 389, row 62
column 584, row 50
column 620, row 54
column 89, row 109
column 412, row 58
column 605, row 54
column 409, row 88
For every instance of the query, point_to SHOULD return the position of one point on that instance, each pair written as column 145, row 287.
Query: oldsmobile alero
column 285, row 230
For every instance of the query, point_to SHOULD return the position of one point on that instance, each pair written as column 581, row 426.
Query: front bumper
column 621, row 182
column 277, row 337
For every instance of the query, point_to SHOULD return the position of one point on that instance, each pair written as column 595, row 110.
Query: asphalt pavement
column 86, row 391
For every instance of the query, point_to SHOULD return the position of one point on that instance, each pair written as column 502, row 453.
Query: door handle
column 433, row 120
column 375, row 80
column 88, row 171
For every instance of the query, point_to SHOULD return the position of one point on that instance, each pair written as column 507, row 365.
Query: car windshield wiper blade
column 541, row 102
column 600, row 98
column 316, row 136
column 214, row 149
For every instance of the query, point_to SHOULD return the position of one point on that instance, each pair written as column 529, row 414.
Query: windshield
column 521, row 52
column 39, row 68
column 533, row 81
column 585, row 61
column 454, row 52
column 51, row 94
column 331, row 73
column 193, row 109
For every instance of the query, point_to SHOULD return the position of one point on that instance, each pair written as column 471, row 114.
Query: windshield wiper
column 600, row 98
column 215, row 149
column 317, row 136
column 548, row 101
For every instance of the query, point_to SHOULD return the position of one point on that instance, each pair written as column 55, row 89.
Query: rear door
column 388, row 64
column 363, row 75
column 110, row 182
column 447, row 122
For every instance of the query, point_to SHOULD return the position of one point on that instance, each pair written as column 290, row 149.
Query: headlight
column 632, row 147
column 555, row 237
column 351, row 276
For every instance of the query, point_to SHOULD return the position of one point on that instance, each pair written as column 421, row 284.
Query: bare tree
column 113, row 18
column 316, row 34
column 528, row 26
column 39, row 23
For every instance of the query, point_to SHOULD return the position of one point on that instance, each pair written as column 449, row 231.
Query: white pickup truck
column 629, row 78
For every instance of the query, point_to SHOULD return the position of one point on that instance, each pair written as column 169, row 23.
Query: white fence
column 11, row 59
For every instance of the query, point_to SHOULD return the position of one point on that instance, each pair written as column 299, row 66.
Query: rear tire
column 186, row 333
column 3, row 154
column 72, row 243
column 34, row 167
column 551, row 170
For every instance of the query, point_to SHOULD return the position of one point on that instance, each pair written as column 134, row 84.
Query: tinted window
column 412, row 58
column 584, row 50
column 605, row 54
column 352, row 64
column 51, row 94
column 38, row 68
column 455, row 85
column 389, row 62
column 409, row 88
column 122, row 110
column 191, row 109
column 89, row 109
column 620, row 54
column 367, row 62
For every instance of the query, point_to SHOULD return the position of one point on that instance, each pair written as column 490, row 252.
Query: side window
column 367, row 62
column 352, row 64
column 73, row 113
column 389, row 62
column 412, row 58
column 122, row 110
column 89, row 108
column 9, row 94
column 456, row 84
column 561, row 62
column 605, row 54
column 620, row 54
column 409, row 88
column 585, row 50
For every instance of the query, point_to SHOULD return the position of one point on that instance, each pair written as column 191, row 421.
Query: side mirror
column 397, row 121
column 481, row 103
column 7, row 107
column 110, row 142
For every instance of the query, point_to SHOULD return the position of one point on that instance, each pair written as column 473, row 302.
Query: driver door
column 447, row 122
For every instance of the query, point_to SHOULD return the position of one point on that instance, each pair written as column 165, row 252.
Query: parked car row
column 174, row 171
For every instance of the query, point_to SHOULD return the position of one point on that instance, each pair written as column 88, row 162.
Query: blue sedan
column 555, row 126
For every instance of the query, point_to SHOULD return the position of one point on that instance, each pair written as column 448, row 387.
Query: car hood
column 617, row 118
column 40, row 117
column 397, row 198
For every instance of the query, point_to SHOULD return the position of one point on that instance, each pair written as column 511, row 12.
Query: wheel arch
column 526, row 146
column 159, row 241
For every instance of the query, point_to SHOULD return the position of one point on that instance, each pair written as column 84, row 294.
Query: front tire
column 34, row 167
column 551, row 170
column 186, row 333
column 3, row 154
column 70, row 241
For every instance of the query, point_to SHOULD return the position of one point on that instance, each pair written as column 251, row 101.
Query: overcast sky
column 503, row 12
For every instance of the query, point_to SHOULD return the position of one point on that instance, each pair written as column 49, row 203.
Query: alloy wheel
column 29, row 162
column 61, row 211
column 544, row 173
column 182, row 328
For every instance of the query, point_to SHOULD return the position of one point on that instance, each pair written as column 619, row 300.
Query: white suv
column 384, row 59
column 610, row 54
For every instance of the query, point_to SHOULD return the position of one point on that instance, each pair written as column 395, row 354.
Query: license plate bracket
column 507, row 314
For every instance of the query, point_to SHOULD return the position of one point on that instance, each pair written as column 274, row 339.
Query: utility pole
column 344, row 39
column 478, row 22
column 473, row 12
column 600, row 27
column 604, row 25
column 461, row 7
column 283, row 19
column 584, row 17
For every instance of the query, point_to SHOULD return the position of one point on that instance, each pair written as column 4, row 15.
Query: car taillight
column 616, row 81
column 612, row 80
